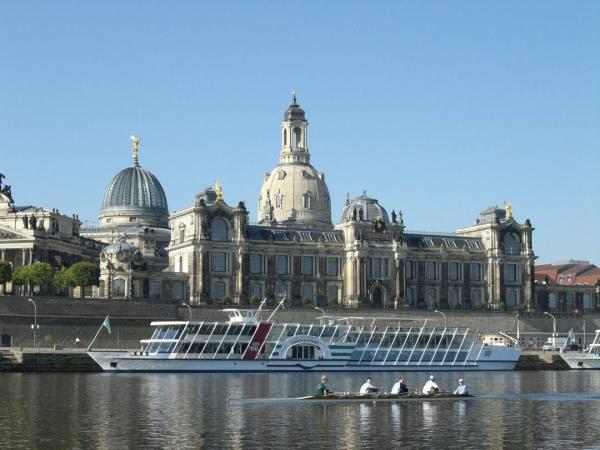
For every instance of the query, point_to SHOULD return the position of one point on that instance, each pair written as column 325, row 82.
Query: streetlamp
column 444, row 316
column 322, row 311
column 188, row 307
column 35, row 325
column 553, row 323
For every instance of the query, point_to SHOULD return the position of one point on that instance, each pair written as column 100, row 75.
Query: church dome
column 135, row 196
column 364, row 208
column 294, row 193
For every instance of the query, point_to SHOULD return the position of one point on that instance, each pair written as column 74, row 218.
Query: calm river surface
column 113, row 411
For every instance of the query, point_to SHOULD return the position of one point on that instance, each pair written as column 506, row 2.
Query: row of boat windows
column 240, row 330
column 400, row 340
column 415, row 357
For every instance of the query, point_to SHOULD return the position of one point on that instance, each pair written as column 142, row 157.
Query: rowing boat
column 353, row 397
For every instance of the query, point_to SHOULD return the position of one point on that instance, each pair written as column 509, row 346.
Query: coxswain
column 431, row 387
column 367, row 387
column 399, row 387
column 322, row 389
column 462, row 388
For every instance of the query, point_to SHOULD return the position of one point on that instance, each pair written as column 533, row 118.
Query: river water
column 113, row 411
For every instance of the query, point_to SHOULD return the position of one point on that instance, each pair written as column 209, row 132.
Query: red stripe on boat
column 257, row 341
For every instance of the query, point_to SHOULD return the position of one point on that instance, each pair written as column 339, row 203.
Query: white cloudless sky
column 438, row 109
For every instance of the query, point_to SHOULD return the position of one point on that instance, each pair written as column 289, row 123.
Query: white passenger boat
column 248, row 343
column 588, row 359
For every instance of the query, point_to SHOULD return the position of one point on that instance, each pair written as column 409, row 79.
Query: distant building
column 30, row 234
column 567, row 286
column 367, row 259
column 134, row 224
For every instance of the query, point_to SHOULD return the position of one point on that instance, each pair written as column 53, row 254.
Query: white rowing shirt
column 430, row 387
column 366, row 388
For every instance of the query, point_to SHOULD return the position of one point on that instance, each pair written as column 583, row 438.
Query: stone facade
column 367, row 260
column 30, row 234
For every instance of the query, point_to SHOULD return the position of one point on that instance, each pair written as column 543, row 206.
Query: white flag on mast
column 106, row 324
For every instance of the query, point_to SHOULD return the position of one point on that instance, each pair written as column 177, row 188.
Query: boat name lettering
column 305, row 338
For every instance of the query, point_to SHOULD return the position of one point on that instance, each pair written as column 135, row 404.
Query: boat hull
column 582, row 360
column 125, row 362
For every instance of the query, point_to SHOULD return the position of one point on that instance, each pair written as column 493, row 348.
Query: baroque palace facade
column 366, row 259
column 211, row 251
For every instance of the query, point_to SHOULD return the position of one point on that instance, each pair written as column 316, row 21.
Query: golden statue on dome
column 508, row 209
column 135, row 146
column 219, row 191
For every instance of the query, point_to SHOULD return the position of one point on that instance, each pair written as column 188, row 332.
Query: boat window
column 303, row 352
column 205, row 329
column 328, row 332
column 316, row 331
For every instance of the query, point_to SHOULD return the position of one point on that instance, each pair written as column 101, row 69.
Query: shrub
column 227, row 300
column 456, row 304
column 5, row 272
column 83, row 274
column 307, row 301
column 254, row 301
column 61, row 279
column 501, row 306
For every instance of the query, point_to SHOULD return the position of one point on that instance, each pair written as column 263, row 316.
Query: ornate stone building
column 367, row 259
column 134, row 223
column 30, row 234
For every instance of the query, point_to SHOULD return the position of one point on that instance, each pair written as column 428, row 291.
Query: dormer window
column 278, row 200
column 219, row 230
column 281, row 175
column 307, row 201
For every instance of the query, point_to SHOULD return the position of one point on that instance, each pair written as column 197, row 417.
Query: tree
column 83, row 274
column 5, row 274
column 41, row 274
column 61, row 279
column 22, row 276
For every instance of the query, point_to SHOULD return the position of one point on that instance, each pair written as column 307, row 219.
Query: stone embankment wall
column 62, row 321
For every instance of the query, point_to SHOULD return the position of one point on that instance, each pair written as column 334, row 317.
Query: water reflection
column 191, row 411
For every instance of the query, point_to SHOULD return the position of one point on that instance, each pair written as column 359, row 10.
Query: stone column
column 23, row 257
column 200, row 275
column 3, row 255
column 239, row 278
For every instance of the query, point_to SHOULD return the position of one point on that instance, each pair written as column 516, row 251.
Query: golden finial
column 135, row 146
column 219, row 191
column 508, row 209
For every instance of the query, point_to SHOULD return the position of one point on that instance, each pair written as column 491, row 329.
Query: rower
column 399, row 387
column 462, row 388
column 431, row 387
column 367, row 387
column 322, row 387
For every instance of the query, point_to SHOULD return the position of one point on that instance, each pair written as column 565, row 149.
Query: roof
column 449, row 241
column 260, row 233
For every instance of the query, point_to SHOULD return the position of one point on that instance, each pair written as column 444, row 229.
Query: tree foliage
column 38, row 274
column 5, row 272
column 83, row 274
column 61, row 279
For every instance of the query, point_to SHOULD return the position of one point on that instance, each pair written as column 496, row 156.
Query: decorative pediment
column 9, row 235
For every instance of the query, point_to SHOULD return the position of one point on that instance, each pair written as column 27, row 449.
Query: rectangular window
column 409, row 296
column 475, row 295
column 332, row 293
column 333, row 267
column 256, row 263
column 307, row 292
column 587, row 301
column 256, row 290
column 154, row 289
column 552, row 300
column 219, row 262
column 218, row 290
column 512, row 298
column 475, row 271
column 430, row 270
column 570, row 301
column 281, row 264
column 510, row 272
column 307, row 265
column 281, row 290
column 376, row 267
column 453, row 271
column 409, row 269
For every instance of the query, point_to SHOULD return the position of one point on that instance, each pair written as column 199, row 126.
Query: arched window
column 511, row 244
column 181, row 263
column 218, row 230
column 181, row 235
column 307, row 202
column 278, row 200
column 281, row 175
column 297, row 138
column 285, row 140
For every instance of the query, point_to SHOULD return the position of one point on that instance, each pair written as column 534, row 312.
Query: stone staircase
column 541, row 361
column 8, row 359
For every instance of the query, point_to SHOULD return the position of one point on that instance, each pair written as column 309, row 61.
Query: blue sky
column 439, row 109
